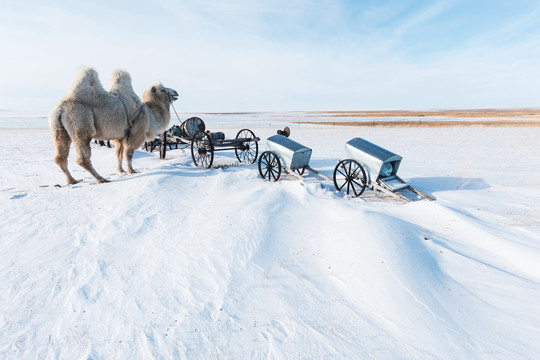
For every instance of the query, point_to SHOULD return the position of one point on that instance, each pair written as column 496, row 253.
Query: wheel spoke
column 354, row 190
column 339, row 171
column 252, row 155
column 270, row 172
column 356, row 172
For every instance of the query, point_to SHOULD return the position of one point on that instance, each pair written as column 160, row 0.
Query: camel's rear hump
column 86, row 88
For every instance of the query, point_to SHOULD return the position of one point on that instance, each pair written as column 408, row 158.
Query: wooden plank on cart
column 318, row 173
column 395, row 194
column 426, row 196
column 294, row 173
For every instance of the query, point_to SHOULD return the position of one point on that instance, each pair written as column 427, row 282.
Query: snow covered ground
column 181, row 262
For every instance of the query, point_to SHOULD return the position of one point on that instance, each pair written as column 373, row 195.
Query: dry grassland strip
column 487, row 113
column 428, row 123
column 492, row 118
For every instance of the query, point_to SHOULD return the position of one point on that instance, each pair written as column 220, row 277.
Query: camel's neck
column 159, row 117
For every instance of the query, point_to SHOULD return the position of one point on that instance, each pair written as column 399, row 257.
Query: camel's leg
column 82, row 145
column 128, row 153
column 62, row 142
column 119, row 147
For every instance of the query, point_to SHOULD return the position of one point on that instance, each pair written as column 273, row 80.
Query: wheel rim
column 350, row 176
column 249, row 149
column 202, row 150
column 269, row 166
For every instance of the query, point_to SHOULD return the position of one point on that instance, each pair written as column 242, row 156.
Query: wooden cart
column 192, row 133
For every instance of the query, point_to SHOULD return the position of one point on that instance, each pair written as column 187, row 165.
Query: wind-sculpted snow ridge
column 182, row 262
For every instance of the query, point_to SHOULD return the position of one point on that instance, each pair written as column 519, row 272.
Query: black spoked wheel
column 300, row 171
column 351, row 177
column 269, row 166
column 163, row 146
column 247, row 152
column 202, row 150
column 150, row 146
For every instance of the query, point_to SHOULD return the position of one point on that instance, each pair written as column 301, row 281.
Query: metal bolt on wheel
column 351, row 177
column 269, row 166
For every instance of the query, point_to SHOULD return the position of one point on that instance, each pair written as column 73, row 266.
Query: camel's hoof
column 132, row 171
column 103, row 181
column 73, row 181
column 120, row 170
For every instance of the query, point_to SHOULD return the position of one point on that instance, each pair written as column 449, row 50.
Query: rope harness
column 171, row 101
column 132, row 119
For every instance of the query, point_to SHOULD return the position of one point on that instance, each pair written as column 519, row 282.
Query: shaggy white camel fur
column 88, row 112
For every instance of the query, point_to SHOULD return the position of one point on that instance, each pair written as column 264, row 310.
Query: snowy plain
column 181, row 262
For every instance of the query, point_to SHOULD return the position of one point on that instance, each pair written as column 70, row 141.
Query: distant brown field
column 489, row 117
column 427, row 123
column 473, row 113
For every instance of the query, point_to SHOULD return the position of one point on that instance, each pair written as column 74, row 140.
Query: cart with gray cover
column 285, row 154
column 369, row 165
column 191, row 133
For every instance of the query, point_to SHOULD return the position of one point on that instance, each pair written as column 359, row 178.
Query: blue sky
column 279, row 54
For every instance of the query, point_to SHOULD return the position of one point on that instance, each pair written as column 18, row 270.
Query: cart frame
column 203, row 146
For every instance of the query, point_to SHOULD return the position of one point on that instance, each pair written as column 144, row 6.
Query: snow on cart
column 367, row 165
column 192, row 133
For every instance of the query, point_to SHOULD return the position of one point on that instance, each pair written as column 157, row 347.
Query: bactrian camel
column 89, row 112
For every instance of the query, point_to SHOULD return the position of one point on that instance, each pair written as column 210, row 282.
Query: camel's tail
column 55, row 119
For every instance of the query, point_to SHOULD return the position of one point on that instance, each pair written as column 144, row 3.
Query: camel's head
column 160, row 93
column 173, row 95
